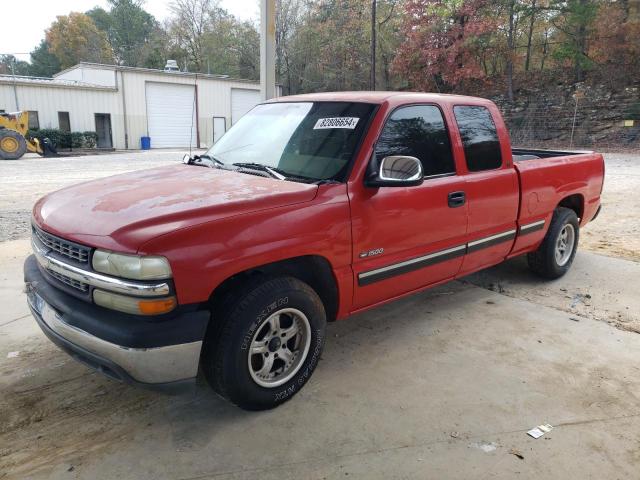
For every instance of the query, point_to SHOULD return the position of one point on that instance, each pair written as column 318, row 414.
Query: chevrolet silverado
column 309, row 209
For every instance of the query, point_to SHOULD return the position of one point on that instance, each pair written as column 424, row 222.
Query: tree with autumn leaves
column 448, row 44
column 429, row 45
column 441, row 42
column 75, row 36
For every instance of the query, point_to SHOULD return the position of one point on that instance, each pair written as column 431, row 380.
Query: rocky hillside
column 604, row 117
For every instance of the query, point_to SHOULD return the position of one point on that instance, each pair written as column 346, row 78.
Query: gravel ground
column 24, row 181
column 615, row 233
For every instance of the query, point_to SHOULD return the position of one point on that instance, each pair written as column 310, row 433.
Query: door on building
column 219, row 127
column 171, row 115
column 103, row 129
column 242, row 100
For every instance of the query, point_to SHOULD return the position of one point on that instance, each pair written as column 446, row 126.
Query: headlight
column 136, row 306
column 131, row 266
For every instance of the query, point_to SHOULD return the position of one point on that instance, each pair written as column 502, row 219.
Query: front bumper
column 161, row 353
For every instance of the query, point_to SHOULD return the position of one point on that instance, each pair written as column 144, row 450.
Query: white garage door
column 171, row 115
column 242, row 100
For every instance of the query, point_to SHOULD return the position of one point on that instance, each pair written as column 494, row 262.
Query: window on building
column 34, row 122
column 479, row 138
column 2, row 110
column 64, row 123
column 418, row 131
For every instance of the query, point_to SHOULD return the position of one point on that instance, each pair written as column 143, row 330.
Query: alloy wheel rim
column 564, row 244
column 279, row 347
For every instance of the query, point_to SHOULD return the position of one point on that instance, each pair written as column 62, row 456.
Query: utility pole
column 15, row 86
column 267, row 49
column 373, row 45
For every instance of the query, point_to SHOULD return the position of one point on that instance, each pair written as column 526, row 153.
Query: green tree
column 75, row 38
column 189, row 25
column 101, row 18
column 10, row 65
column 129, row 29
column 43, row 62
column 575, row 22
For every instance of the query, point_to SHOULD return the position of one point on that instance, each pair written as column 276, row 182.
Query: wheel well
column 313, row 270
column 575, row 203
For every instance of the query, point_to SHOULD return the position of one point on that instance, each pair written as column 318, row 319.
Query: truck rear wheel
column 12, row 145
column 554, row 256
column 265, row 343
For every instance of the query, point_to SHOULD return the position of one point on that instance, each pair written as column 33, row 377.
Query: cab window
column 479, row 138
column 418, row 131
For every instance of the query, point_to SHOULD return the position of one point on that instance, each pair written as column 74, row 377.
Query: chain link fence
column 577, row 125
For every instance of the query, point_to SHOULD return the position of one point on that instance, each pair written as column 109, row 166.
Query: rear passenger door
column 491, row 187
column 406, row 238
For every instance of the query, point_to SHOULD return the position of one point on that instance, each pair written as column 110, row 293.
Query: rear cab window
column 418, row 131
column 479, row 137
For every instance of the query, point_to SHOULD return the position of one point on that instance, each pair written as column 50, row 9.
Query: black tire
column 225, row 358
column 19, row 142
column 543, row 261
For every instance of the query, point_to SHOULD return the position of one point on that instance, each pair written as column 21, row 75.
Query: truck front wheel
column 265, row 343
column 554, row 256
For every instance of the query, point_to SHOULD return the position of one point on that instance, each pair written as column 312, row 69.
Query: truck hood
column 133, row 208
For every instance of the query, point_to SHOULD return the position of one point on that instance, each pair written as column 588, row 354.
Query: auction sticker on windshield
column 336, row 122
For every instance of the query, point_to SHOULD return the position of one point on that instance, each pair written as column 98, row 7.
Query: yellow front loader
column 13, row 137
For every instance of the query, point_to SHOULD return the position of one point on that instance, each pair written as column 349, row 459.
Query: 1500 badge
column 371, row 253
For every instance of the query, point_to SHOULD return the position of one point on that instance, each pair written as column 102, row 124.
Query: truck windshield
column 308, row 140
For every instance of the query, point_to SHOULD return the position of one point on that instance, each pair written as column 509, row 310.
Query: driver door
column 406, row 238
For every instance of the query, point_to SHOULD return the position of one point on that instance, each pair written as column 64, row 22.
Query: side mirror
column 186, row 159
column 397, row 171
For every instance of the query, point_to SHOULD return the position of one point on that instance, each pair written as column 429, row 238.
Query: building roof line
column 51, row 82
column 104, row 66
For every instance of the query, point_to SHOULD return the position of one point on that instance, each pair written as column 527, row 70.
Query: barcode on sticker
column 336, row 122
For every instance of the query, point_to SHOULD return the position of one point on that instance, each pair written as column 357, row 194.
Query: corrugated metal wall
column 214, row 99
column 81, row 103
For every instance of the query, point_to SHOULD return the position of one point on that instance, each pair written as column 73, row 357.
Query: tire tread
column 542, row 261
column 221, row 333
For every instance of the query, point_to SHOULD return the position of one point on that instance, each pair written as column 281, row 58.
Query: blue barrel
column 145, row 143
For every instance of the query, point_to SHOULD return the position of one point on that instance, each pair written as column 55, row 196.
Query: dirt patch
column 14, row 225
column 576, row 293
column 51, row 408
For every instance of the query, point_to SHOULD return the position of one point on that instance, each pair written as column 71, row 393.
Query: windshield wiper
column 209, row 157
column 274, row 172
column 197, row 161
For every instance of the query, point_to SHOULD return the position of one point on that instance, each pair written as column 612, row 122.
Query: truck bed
column 523, row 154
column 546, row 176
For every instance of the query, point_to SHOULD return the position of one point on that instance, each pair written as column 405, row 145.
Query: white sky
column 23, row 22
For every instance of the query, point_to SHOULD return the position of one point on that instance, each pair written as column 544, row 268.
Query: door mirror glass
column 398, row 171
column 186, row 159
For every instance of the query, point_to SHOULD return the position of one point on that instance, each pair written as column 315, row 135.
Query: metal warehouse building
column 123, row 104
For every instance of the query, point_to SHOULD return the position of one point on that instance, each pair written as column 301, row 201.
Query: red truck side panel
column 493, row 197
column 204, row 255
column 393, row 225
column 546, row 182
column 397, row 224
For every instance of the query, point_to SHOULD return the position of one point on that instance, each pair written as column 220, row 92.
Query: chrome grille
column 71, row 250
column 83, row 287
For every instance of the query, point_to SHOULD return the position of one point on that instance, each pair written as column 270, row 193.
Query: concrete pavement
column 443, row 384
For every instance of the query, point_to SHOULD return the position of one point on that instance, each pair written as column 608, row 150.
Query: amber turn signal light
column 157, row 307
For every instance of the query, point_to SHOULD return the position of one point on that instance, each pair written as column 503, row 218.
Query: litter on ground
column 540, row 430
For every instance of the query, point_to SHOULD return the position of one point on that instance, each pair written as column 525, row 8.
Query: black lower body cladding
column 147, row 351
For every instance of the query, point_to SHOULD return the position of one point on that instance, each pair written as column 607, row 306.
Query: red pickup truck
column 311, row 208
